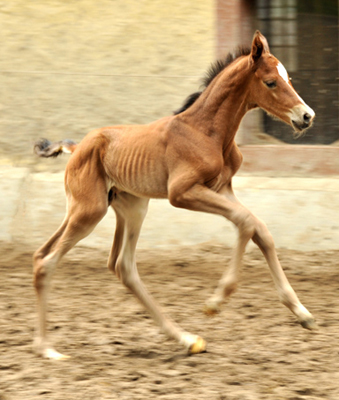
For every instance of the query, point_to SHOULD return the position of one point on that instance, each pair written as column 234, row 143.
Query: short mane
column 214, row 70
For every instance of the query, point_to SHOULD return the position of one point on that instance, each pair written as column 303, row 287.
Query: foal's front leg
column 264, row 240
column 285, row 291
column 201, row 198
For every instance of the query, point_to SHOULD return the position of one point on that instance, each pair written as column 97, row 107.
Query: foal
column 189, row 158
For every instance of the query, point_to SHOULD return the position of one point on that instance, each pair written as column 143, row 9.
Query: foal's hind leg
column 79, row 222
column 131, row 212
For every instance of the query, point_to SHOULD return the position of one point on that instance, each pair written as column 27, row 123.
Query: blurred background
column 71, row 66
column 68, row 67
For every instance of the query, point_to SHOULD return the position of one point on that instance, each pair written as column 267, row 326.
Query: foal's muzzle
column 302, row 117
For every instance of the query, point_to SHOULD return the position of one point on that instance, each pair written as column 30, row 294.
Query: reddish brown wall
column 235, row 24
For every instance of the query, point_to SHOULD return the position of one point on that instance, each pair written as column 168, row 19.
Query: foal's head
column 272, row 90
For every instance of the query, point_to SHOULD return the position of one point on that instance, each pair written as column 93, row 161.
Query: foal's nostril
column 307, row 118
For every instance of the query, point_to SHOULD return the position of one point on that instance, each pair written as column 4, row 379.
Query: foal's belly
column 136, row 165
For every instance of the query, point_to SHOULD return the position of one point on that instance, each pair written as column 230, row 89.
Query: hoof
column 211, row 309
column 198, row 347
column 309, row 324
column 52, row 354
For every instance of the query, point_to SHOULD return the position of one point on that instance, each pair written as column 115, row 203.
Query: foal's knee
column 246, row 225
column 178, row 199
column 263, row 237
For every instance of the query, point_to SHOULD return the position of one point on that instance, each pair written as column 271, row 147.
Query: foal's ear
column 259, row 46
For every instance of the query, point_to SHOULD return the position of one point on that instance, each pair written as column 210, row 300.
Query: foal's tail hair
column 45, row 148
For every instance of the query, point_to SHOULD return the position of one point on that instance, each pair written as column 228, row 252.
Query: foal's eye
column 271, row 84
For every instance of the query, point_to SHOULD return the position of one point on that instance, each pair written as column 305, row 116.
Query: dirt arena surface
column 256, row 349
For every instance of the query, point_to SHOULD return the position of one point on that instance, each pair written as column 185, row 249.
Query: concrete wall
column 300, row 212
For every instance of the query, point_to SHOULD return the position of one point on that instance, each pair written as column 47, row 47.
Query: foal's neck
column 221, row 107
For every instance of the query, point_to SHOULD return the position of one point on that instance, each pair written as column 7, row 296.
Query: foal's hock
column 190, row 158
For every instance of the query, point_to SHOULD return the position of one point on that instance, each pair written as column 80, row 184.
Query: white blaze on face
column 282, row 72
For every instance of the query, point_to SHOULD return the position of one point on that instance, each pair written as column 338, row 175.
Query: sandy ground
column 256, row 349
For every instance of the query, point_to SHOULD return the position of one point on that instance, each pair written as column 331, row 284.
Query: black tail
column 45, row 148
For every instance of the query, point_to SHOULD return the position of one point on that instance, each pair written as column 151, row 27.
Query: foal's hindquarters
column 87, row 204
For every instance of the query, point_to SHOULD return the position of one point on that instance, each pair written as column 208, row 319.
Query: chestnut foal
column 189, row 158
